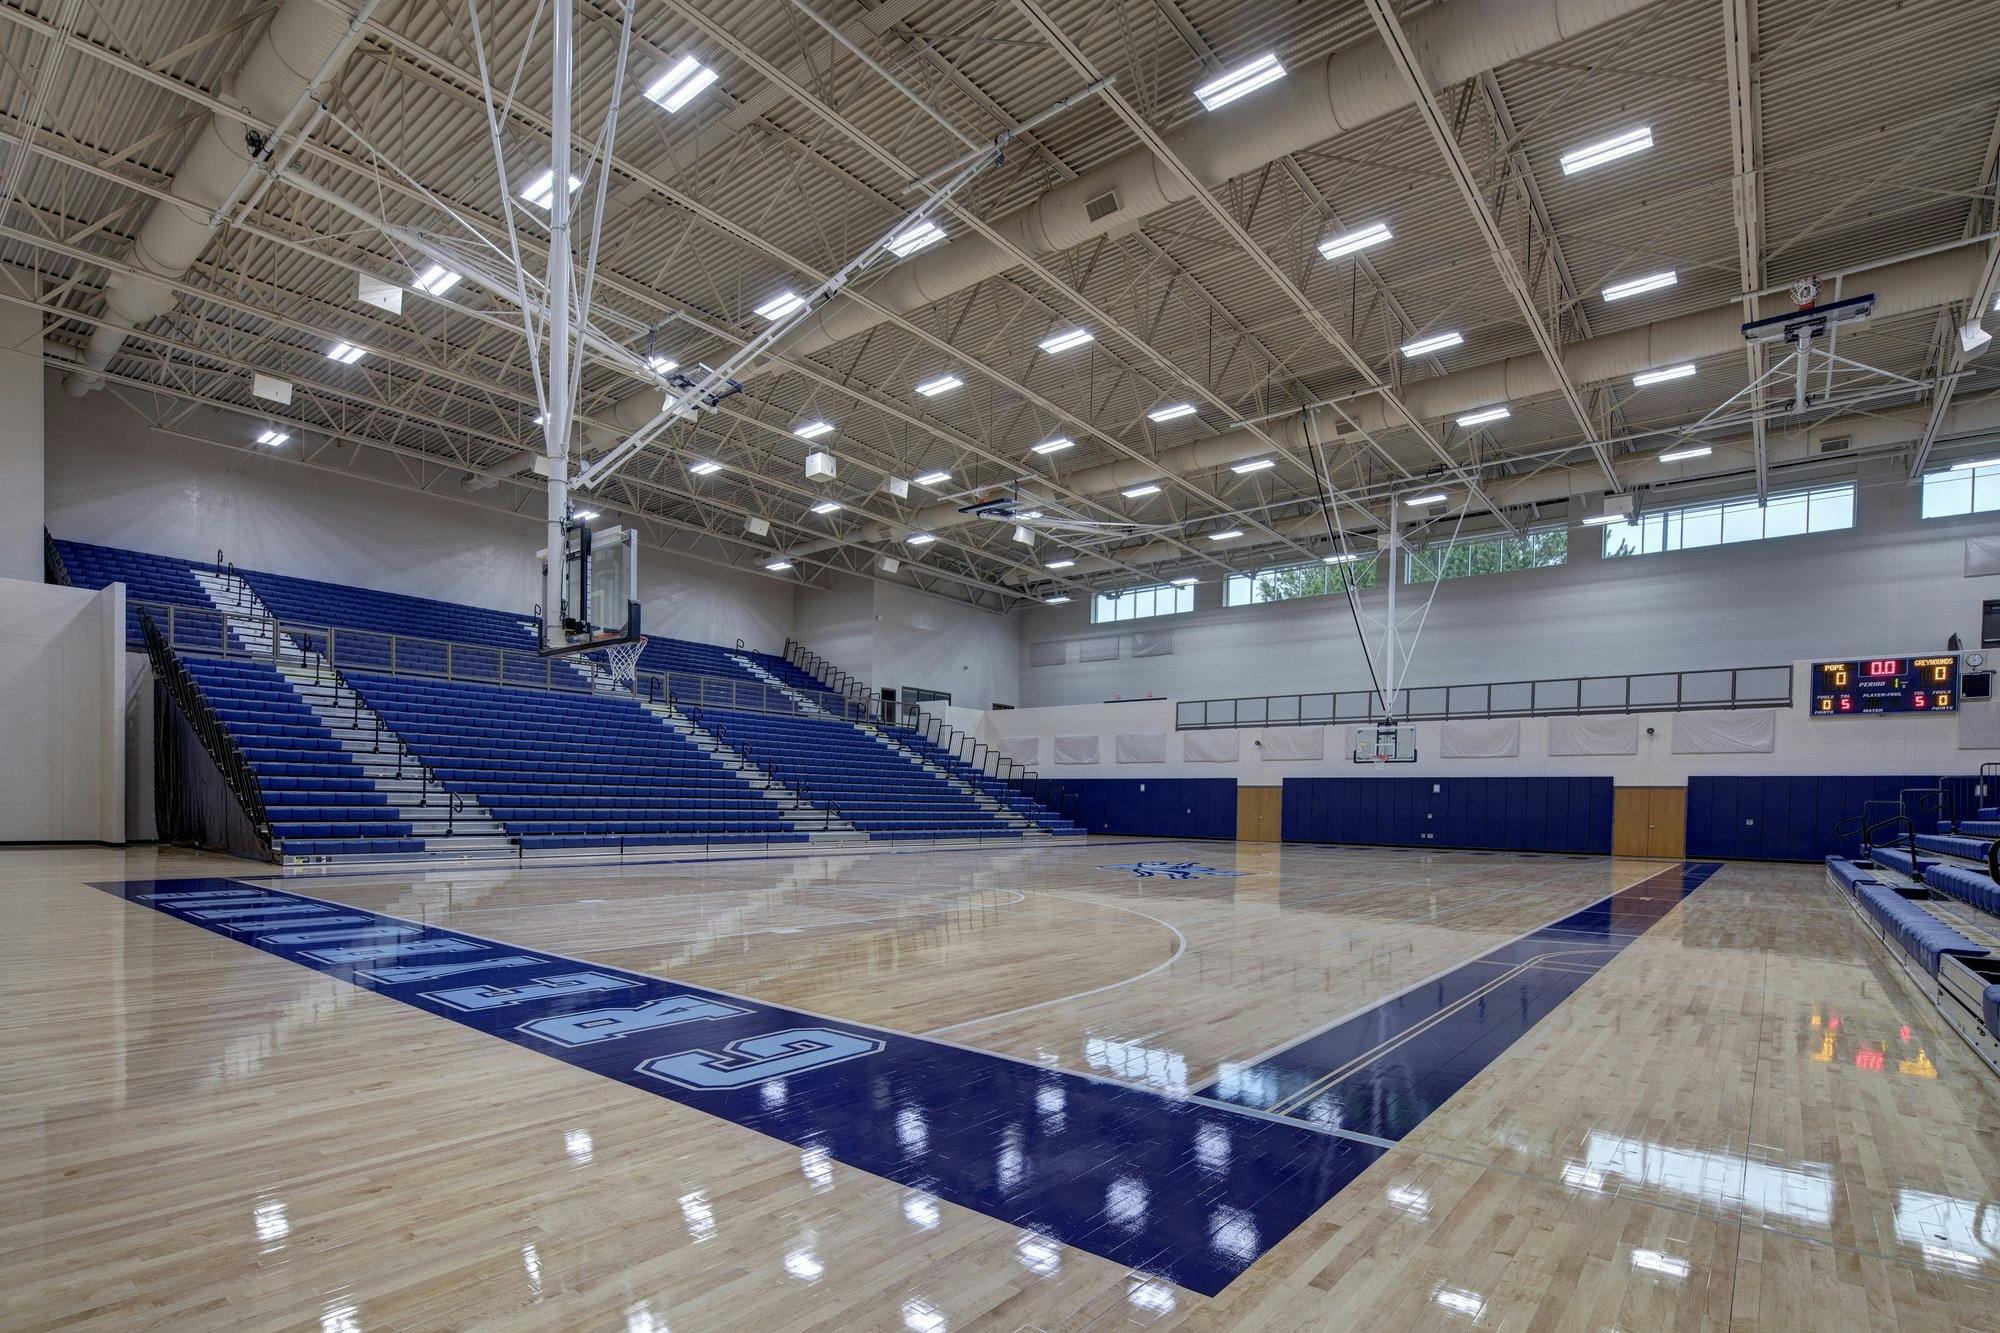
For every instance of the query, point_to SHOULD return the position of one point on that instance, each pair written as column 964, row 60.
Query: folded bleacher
column 572, row 770
column 147, row 578
column 832, row 764
column 1010, row 796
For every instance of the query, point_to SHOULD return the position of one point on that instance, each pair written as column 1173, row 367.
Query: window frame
column 1703, row 524
column 1488, row 549
column 1125, row 603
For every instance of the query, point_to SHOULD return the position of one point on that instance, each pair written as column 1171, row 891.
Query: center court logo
column 1173, row 870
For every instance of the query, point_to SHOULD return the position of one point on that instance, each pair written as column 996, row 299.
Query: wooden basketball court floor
column 1023, row 1088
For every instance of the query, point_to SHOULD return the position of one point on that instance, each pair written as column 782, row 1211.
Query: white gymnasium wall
column 1893, row 583
column 62, row 712
column 899, row 637
column 114, row 480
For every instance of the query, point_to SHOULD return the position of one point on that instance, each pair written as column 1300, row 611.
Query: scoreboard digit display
column 1871, row 686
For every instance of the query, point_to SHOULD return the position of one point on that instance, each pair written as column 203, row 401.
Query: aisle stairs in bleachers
column 820, row 822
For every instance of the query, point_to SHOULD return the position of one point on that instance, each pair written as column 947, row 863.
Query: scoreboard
column 1874, row 685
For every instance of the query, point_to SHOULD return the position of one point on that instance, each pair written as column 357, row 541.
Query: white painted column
column 21, row 460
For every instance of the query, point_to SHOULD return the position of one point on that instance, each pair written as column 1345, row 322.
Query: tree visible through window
column 1536, row 548
column 1314, row 578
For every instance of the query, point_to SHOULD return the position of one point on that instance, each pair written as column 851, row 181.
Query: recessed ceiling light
column 778, row 566
column 541, row 191
column 1333, row 247
column 919, row 539
column 584, row 515
column 1137, row 492
column 1172, row 412
column 1063, row 342
column 827, row 507
column 912, row 239
column 1429, row 498
column 1187, row 582
column 662, row 365
column 437, row 280
column 1240, row 81
column 1652, row 282
column 1484, row 415
column 1229, row 535
column 273, row 437
column 1435, row 342
column 1682, row 455
column 1662, row 375
column 812, row 430
column 933, row 478
column 1055, row 446
column 942, row 384
column 345, row 353
column 1255, row 465
column 1054, row 601
column 1059, row 564
column 680, row 84
column 1608, row 150
column 1599, row 520
column 784, row 303
column 704, row 467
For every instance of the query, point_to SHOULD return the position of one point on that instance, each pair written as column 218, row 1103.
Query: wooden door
column 1649, row 822
column 1259, row 812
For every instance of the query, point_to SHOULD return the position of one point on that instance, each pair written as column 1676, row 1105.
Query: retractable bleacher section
column 1011, row 797
column 829, row 762
column 147, row 578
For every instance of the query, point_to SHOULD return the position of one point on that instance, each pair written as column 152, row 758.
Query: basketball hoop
column 621, row 663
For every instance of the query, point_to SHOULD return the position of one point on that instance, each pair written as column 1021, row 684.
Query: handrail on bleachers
column 53, row 569
column 221, row 747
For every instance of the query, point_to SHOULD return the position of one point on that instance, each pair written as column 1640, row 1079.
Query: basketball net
column 621, row 662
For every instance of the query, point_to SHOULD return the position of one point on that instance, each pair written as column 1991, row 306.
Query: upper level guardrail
column 1561, row 696
column 246, row 635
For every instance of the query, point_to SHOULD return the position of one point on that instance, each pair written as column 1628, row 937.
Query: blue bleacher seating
column 1946, row 844
column 1011, row 797
column 1922, row 936
column 1992, row 1007
column 1967, row 885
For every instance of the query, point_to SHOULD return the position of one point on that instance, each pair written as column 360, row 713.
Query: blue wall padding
column 1156, row 807
column 1505, row 814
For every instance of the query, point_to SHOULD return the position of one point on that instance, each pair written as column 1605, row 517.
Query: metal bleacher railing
column 53, row 568
column 1562, row 696
column 208, row 729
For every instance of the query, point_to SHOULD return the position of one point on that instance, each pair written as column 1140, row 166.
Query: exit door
column 1259, row 811
column 1649, row 822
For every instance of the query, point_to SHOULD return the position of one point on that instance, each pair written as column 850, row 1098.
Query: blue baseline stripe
column 1383, row 1071
column 1191, row 1191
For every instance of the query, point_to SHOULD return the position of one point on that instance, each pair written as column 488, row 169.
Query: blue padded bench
column 1848, row 873
column 1897, row 859
column 1945, row 844
column 1965, row 884
column 1921, row 935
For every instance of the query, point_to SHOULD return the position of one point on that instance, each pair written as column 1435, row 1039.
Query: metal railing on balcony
column 1561, row 696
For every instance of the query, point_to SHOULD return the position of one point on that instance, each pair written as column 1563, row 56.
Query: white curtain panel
column 1979, row 726
column 1141, row 747
column 1982, row 556
column 1153, row 643
column 1211, row 747
column 1288, row 743
column 1076, row 749
column 1022, row 749
column 1481, row 738
column 1097, row 650
column 1593, row 735
column 1050, row 652
column 1733, row 731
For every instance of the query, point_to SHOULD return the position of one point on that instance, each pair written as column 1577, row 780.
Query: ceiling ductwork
column 301, row 38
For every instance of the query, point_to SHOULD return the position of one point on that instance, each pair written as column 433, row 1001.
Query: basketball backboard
column 600, row 604
column 1384, row 743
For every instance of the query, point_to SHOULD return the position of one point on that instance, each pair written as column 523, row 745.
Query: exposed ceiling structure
column 1214, row 255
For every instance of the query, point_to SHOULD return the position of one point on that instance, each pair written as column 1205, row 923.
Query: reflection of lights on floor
column 1802, row 1193
column 341, row 1317
column 1125, row 1201
column 577, row 1143
column 1039, row 1255
column 1655, row 1262
column 911, row 1131
column 272, row 1227
column 700, row 1218
column 921, row 1211
column 1468, row 1303
column 1954, row 1235
column 1211, row 1146
column 1232, row 1233
column 1165, row 1070
column 1415, row 1202
column 1151, row 1295
column 816, row 1165
column 642, row 1318
column 920, row 1316
column 803, row 1264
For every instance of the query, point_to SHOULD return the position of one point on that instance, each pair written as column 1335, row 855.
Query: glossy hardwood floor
column 1741, row 1116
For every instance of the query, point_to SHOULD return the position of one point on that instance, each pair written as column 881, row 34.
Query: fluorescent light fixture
column 584, row 515
column 437, row 280
column 1172, row 412
column 273, row 437
column 1055, row 446
column 1682, row 455
column 784, row 303
column 1255, row 465
column 1187, row 582
column 345, row 353
column 1972, row 464
column 1054, row 601
column 1599, row 520
column 704, row 467
column 1430, row 498
column 1031, row 514
column 680, row 84
column 1139, row 492
column 1340, row 559
column 1608, row 150
column 777, row 566
column 1436, row 342
column 1245, row 79
column 1484, row 415
column 1059, row 564
column 937, row 478
column 1663, row 374
column 942, row 384
column 912, row 239
column 1063, row 342
column 541, row 191
column 1652, row 282
column 919, row 539
column 662, row 365
column 812, row 430
column 827, row 507
column 1347, row 243
column 1230, row 534
column 1655, row 1262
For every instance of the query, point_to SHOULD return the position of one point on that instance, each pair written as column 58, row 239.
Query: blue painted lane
column 1190, row 1191
column 1383, row 1071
